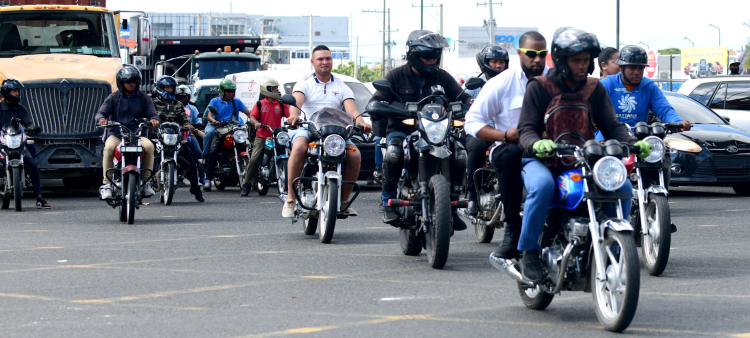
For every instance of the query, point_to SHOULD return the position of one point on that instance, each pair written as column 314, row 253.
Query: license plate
column 131, row 149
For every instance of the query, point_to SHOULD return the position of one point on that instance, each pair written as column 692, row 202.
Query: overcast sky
column 658, row 23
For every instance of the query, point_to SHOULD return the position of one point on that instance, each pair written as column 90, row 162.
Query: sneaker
column 531, row 266
column 208, row 185
column 673, row 228
column 105, row 191
column 349, row 211
column 472, row 209
column 245, row 189
column 458, row 223
column 147, row 191
column 380, row 205
column 508, row 248
column 390, row 214
column 42, row 204
column 288, row 210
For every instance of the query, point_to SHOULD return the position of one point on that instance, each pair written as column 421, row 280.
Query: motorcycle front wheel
column 131, row 197
column 438, row 234
column 17, row 191
column 123, row 199
column 170, row 181
column 281, row 176
column 616, row 298
column 657, row 237
column 327, row 219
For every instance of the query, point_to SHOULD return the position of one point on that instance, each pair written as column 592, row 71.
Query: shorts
column 302, row 132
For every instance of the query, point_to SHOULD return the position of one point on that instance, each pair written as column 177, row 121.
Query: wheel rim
column 532, row 292
column 611, row 294
column 652, row 233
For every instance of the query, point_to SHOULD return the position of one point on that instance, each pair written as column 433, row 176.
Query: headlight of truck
column 169, row 139
column 683, row 145
column 657, row 149
column 240, row 136
column 334, row 145
column 13, row 141
column 610, row 173
column 435, row 130
column 282, row 138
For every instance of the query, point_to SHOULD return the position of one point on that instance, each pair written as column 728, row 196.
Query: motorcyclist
column 633, row 96
column 124, row 106
column 573, row 52
column 412, row 82
column 314, row 92
column 11, row 108
column 171, row 110
column 229, row 108
column 492, row 60
column 183, row 94
column 500, row 101
column 268, row 110
column 734, row 68
column 608, row 62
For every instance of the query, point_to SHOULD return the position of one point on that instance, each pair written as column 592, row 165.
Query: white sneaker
column 349, row 211
column 208, row 185
column 288, row 210
column 105, row 191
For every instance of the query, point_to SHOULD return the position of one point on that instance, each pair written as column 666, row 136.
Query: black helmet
column 493, row 51
column 428, row 45
column 569, row 41
column 162, row 84
column 632, row 55
column 7, row 86
column 128, row 72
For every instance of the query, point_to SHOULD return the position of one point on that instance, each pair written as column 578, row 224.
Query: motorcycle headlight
column 334, row 145
column 169, row 139
column 435, row 130
column 13, row 141
column 240, row 136
column 657, row 149
column 282, row 139
column 610, row 173
column 683, row 145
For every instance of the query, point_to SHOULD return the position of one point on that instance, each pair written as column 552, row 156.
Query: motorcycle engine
column 486, row 201
column 552, row 257
column 265, row 172
column 577, row 227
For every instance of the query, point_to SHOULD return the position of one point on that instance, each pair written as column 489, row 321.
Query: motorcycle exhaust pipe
column 507, row 266
column 405, row 203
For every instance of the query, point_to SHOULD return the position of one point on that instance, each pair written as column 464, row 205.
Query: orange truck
column 66, row 55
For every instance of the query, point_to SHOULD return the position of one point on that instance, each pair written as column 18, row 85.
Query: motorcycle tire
column 281, row 176
column 621, row 263
column 262, row 188
column 219, row 184
column 132, row 192
column 124, row 201
column 411, row 245
column 483, row 233
column 655, row 250
column 534, row 298
column 438, row 235
column 6, row 203
column 17, row 191
column 170, row 182
column 310, row 225
column 327, row 216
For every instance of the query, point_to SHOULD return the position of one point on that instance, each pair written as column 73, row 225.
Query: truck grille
column 65, row 106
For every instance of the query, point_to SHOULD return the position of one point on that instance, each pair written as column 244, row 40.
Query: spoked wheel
column 657, row 237
column 170, row 182
column 281, row 176
column 616, row 298
column 131, row 196
column 411, row 245
column 124, row 200
column 327, row 220
column 484, row 233
column 17, row 191
column 534, row 298
column 439, row 230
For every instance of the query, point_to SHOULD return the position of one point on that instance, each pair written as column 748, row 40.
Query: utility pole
column 356, row 56
column 491, row 23
column 382, row 67
column 618, row 25
column 421, row 14
column 390, row 64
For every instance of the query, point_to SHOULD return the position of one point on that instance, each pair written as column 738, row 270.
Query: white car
column 728, row 96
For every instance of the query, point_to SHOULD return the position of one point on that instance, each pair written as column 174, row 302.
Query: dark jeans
column 506, row 160
column 192, row 171
column 32, row 169
column 476, row 154
column 378, row 153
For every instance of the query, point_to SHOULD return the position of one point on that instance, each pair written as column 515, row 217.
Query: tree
column 670, row 51
column 365, row 74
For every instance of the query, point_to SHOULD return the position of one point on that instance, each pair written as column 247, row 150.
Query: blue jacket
column 633, row 106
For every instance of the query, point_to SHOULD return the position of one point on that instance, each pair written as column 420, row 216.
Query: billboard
column 704, row 61
column 471, row 40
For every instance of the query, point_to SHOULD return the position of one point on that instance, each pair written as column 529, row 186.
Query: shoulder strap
column 589, row 88
column 235, row 112
column 552, row 89
column 257, row 104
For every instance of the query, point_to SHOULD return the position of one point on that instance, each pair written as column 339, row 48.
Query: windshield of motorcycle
column 332, row 117
column 433, row 112
column 8, row 129
column 170, row 128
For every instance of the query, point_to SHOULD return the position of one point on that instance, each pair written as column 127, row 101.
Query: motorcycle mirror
column 213, row 109
column 289, row 99
column 474, row 83
column 384, row 86
column 34, row 130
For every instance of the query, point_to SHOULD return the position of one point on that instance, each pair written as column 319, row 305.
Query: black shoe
column 42, row 204
column 508, row 248
column 531, row 266
column 245, row 189
column 370, row 180
column 674, row 228
column 196, row 190
column 380, row 206
column 472, row 209
column 458, row 223
column 390, row 214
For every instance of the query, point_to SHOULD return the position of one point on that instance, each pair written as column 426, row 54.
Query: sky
column 657, row 23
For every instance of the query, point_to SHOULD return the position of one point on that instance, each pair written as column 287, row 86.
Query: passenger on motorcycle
column 608, row 62
column 573, row 52
column 500, row 103
column 124, row 106
column 183, row 94
column 412, row 82
column 317, row 91
column 10, row 108
column 171, row 110
column 229, row 108
column 492, row 60
column 269, row 110
column 633, row 96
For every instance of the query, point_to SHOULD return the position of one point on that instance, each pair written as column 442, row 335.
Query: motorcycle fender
column 282, row 156
column 130, row 168
column 615, row 224
column 332, row 175
column 440, row 152
column 244, row 154
column 657, row 189
column 15, row 163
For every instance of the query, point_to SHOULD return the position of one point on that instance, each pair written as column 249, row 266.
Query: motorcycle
column 235, row 155
column 489, row 206
column 126, row 173
column 650, row 214
column 584, row 249
column 171, row 168
column 272, row 169
column 318, row 189
column 434, row 166
column 12, row 173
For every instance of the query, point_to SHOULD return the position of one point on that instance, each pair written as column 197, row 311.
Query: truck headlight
column 610, row 173
column 334, row 145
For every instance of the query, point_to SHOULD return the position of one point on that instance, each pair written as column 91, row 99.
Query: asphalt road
column 232, row 267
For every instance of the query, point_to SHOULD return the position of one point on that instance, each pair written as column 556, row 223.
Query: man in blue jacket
column 633, row 96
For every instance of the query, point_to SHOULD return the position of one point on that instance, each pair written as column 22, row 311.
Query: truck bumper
column 76, row 158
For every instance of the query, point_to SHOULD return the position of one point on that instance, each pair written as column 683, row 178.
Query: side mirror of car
column 289, row 99
column 726, row 118
column 474, row 83
column 382, row 85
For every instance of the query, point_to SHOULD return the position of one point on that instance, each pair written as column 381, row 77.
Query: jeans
column 210, row 129
column 476, row 150
column 391, row 172
column 378, row 153
column 540, row 185
column 32, row 169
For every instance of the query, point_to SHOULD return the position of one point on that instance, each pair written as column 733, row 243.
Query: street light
column 712, row 25
column 647, row 47
column 691, row 41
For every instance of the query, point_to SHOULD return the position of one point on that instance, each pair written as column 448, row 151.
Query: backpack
column 568, row 118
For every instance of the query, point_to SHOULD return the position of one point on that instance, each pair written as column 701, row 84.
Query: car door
column 732, row 99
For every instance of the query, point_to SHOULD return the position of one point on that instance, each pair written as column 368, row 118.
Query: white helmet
column 265, row 89
column 183, row 90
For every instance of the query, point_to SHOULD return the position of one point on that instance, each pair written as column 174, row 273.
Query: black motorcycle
column 12, row 150
column 434, row 166
column 127, row 182
column 234, row 155
column 318, row 189
column 272, row 169
column 489, row 206
column 171, row 168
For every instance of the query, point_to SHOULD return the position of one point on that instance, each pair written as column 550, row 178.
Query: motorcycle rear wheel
column 616, row 299
column 310, row 225
column 411, row 245
column 262, row 188
column 534, row 298
column 483, row 233
column 327, row 219
column 439, row 233
column 657, row 238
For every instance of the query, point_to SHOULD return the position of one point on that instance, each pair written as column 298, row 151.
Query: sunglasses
column 229, row 91
column 533, row 53
column 132, row 81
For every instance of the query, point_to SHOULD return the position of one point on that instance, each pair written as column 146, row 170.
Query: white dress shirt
column 499, row 101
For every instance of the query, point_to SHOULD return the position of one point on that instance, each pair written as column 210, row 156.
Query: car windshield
column 67, row 32
column 691, row 110
column 220, row 68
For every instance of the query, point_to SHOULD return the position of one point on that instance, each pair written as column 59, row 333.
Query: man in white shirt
column 500, row 102
column 315, row 92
